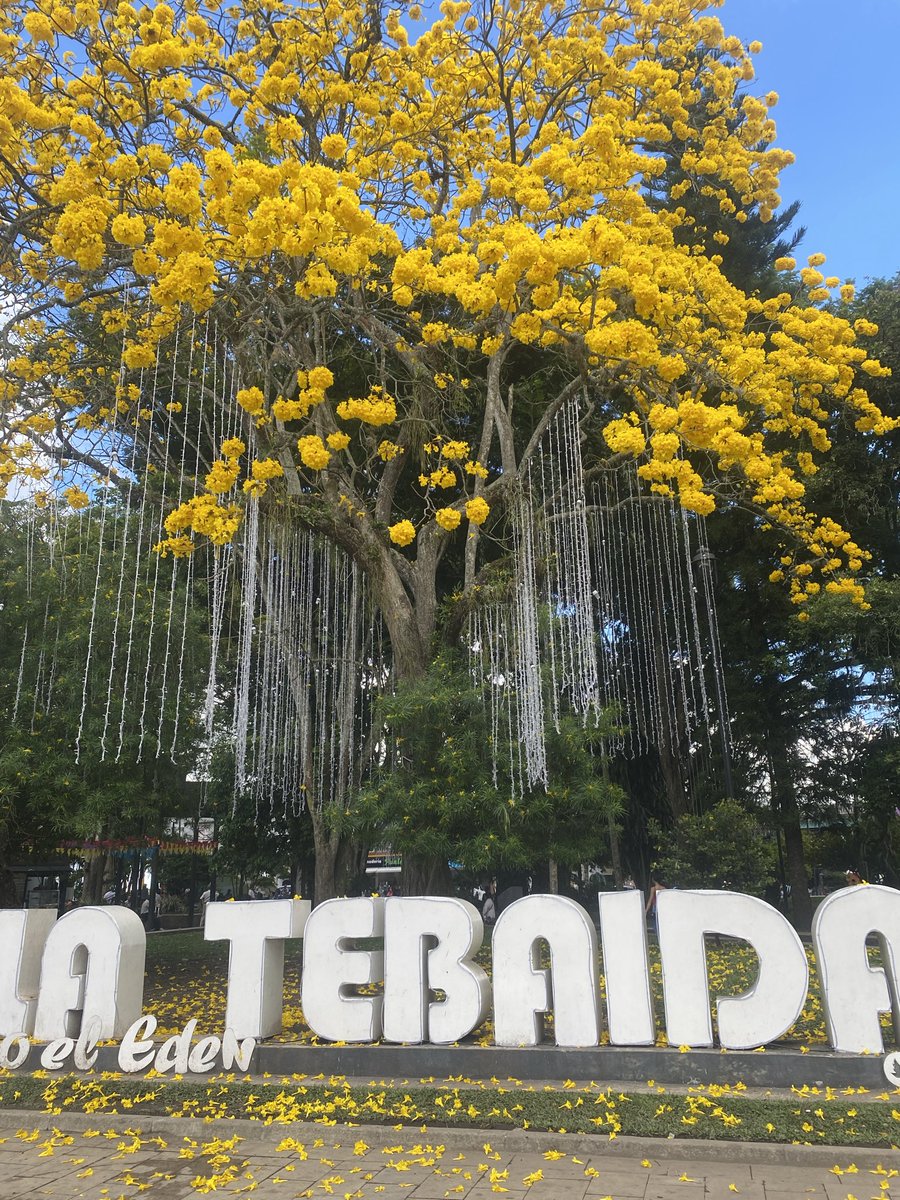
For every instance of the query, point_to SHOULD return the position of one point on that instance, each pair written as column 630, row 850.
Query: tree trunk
column 615, row 851
column 784, row 796
column 673, row 783
column 670, row 759
column 334, row 855
column 135, row 884
column 8, row 897
column 798, row 876
column 93, row 879
column 426, row 876
column 554, row 877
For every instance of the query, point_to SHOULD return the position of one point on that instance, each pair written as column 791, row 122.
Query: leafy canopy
column 724, row 847
column 384, row 228
column 439, row 793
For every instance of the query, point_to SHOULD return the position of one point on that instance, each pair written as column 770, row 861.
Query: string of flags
column 131, row 846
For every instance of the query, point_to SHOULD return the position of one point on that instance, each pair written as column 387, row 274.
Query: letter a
column 853, row 991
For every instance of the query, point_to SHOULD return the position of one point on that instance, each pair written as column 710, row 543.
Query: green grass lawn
column 811, row 1117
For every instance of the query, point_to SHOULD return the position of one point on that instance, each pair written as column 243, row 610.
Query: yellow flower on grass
column 402, row 533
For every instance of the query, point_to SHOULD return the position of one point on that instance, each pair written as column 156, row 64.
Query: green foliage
column 724, row 847
column 56, row 658
column 435, row 795
column 255, row 840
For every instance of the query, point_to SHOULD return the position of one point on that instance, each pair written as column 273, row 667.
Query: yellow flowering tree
column 415, row 245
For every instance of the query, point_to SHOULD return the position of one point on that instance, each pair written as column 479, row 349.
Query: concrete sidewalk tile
column 620, row 1174
column 750, row 1189
column 674, row 1191
column 780, row 1189
column 439, row 1187
column 746, row 1191
column 853, row 1185
column 417, row 1175
column 634, row 1188
column 561, row 1168
column 729, row 1172
column 673, row 1167
column 39, row 1176
column 783, row 1176
column 805, row 1183
column 483, row 1187
column 572, row 1187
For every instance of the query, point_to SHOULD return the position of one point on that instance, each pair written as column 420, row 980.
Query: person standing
column 650, row 909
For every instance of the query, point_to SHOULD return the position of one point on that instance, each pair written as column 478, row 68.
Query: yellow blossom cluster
column 76, row 497
column 223, row 475
column 377, row 408
column 265, row 469
column 448, row 204
column 477, row 510
column 402, row 533
column 262, row 471
column 204, row 516
column 250, row 399
column 441, row 477
column 448, row 518
column 313, row 453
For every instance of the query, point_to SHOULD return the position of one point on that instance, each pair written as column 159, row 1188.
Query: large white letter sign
column 92, row 974
column 332, row 969
column 524, row 991
column 761, row 1014
column 23, row 933
column 257, row 931
column 853, row 992
column 429, row 944
column 623, row 932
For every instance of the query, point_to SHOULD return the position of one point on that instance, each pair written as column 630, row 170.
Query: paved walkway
column 84, row 1158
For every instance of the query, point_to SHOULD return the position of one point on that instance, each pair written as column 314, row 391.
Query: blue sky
column 834, row 64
